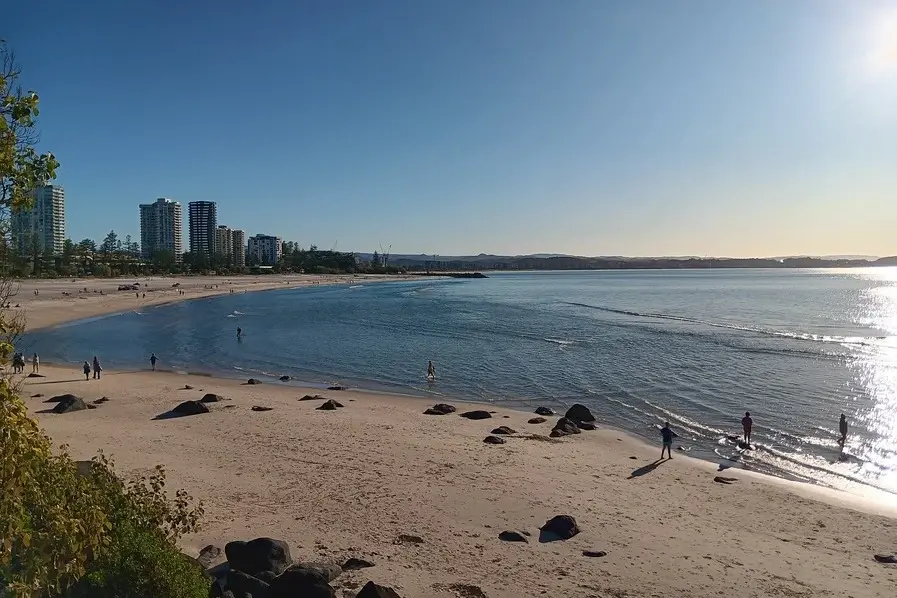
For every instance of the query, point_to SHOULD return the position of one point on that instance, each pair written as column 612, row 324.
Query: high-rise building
column 161, row 228
column 43, row 226
column 265, row 250
column 224, row 241
column 203, row 224
column 238, row 242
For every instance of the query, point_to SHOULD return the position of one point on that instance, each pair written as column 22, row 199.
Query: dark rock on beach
column 503, row 430
column 579, row 413
column 886, row 558
column 722, row 480
column 261, row 554
column 494, row 440
column 301, row 580
column 330, row 405
column 372, row 590
column 33, row 375
column 337, row 387
column 311, row 398
column 509, row 536
column 285, row 378
column 190, row 408
column 253, row 381
column 597, row 554
column 477, row 414
column 440, row 409
column 37, row 395
column 586, row 426
column 260, row 408
column 101, row 400
column 208, row 555
column 211, row 398
column 60, row 398
column 69, row 404
column 353, row 564
column 537, row 420
column 329, row 571
column 544, row 411
column 564, row 427
column 241, row 584
column 561, row 527
column 188, row 387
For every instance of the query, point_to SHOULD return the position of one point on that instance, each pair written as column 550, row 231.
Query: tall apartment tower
column 203, row 226
column 161, row 228
column 42, row 226
column 265, row 250
column 238, row 242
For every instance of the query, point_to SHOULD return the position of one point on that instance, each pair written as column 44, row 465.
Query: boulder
column 886, row 558
column 60, row 398
column 285, row 378
column 597, row 554
column 586, row 426
column 564, row 427
column 253, row 381
column 328, row 571
column 70, row 404
column 190, row 408
column 211, row 398
column 494, row 440
column 353, row 564
column 241, row 583
column 208, row 555
column 477, row 414
column 509, row 536
column 300, row 580
column 372, row 590
column 261, row 554
column 188, row 387
column 260, row 408
column 544, row 411
column 537, row 420
column 561, row 526
column 311, row 398
column 503, row 430
column 330, row 405
column 579, row 413
column 440, row 409
column 724, row 480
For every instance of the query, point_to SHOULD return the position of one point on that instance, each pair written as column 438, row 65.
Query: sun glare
column 882, row 57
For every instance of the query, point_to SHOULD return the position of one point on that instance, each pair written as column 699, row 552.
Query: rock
column 564, row 427
column 190, row 408
column 440, row 409
column 253, row 381
column 330, row 405
column 285, row 378
column 337, row 387
column 503, row 430
column 721, row 480
column 211, row 398
column 37, row 395
column 33, row 375
column 329, row 571
column 353, row 564
column 477, row 414
column 261, row 554
column 594, row 553
column 70, row 404
column 510, row 536
column 886, row 558
column 59, row 398
column 579, row 413
column 494, row 440
column 241, row 583
column 372, row 590
column 561, row 526
column 586, row 426
column 466, row 590
column 537, row 420
column 409, row 539
column 208, row 555
column 301, row 581
column 544, row 411
column 188, row 387
column 101, row 400
column 311, row 398
column 260, row 408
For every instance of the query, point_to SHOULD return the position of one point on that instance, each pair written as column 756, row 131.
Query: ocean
column 698, row 348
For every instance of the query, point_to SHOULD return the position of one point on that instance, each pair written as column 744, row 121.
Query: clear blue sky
column 710, row 127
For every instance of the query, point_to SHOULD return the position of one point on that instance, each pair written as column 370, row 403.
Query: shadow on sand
column 646, row 469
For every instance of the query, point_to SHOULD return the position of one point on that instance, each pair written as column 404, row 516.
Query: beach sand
column 350, row 482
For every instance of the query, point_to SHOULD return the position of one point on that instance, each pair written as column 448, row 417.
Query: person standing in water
column 746, row 424
column 431, row 371
column 842, row 427
column 239, row 332
column 667, row 434
column 153, row 361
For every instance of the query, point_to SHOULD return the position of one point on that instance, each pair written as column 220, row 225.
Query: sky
column 587, row 127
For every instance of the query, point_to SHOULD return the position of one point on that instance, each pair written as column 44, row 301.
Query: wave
column 805, row 336
column 558, row 341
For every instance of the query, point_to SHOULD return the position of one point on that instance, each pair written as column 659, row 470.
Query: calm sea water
column 697, row 348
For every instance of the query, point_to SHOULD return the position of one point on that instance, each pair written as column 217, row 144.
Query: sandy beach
column 351, row 482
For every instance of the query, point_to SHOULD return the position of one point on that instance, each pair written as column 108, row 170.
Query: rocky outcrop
column 311, row 398
column 503, row 430
column 211, row 398
column 579, row 413
column 494, row 440
column 70, row 403
column 476, row 414
column 564, row 427
column 190, row 408
column 537, row 420
column 586, row 426
column 440, row 409
column 330, row 405
column 302, row 580
column 511, row 536
column 285, row 378
column 253, row 381
column 372, row 590
column 261, row 554
column 561, row 527
column 544, row 411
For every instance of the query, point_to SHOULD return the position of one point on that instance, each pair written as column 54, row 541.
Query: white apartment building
column 161, row 228
column 42, row 226
column 265, row 250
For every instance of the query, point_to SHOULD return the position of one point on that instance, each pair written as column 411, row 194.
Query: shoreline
column 349, row 482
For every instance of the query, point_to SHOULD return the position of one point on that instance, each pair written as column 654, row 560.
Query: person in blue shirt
column 668, row 436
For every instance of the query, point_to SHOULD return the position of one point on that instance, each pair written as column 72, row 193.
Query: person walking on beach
column 746, row 424
column 35, row 364
column 86, row 369
column 667, row 434
column 431, row 371
column 842, row 427
column 153, row 361
column 96, row 368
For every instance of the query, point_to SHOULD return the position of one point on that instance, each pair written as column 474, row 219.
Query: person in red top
column 746, row 424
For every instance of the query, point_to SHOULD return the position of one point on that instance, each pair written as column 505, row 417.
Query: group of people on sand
column 96, row 369
column 747, row 424
column 18, row 363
